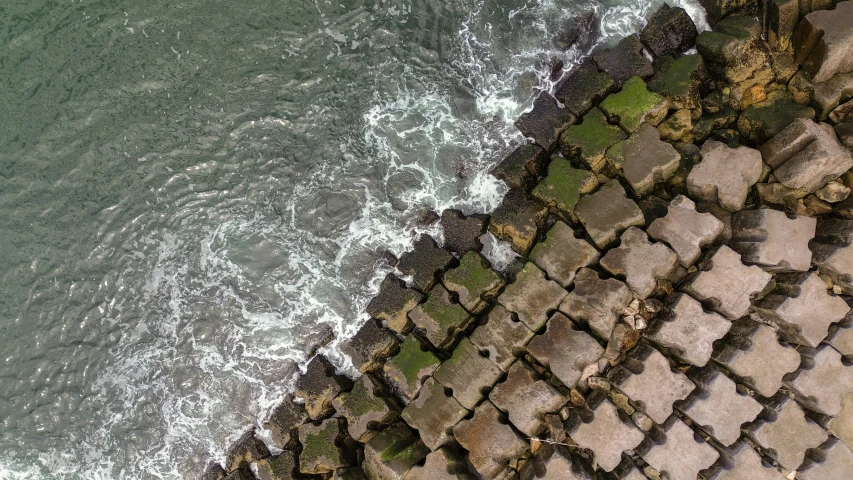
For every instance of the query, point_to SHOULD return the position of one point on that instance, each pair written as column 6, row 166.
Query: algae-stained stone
column 545, row 122
column 717, row 9
column 733, row 51
column 565, row 350
column 433, row 413
column 822, row 385
column 517, row 220
column 680, row 455
column 245, row 450
column 728, row 285
column 827, row 96
column 670, row 31
column 392, row 453
column 644, row 160
column 242, row 473
column 710, row 122
column 657, row 386
column 440, row 318
column 772, row 240
column 685, row 230
column 678, row 127
column 476, row 284
column 689, row 333
column 583, row 87
column 278, row 467
column 833, row 252
column 393, row 303
column 563, row 186
column 462, row 232
column 319, row 385
column 607, row 433
column 561, row 254
column 520, row 168
column 526, row 398
column 406, row 371
column 625, row 60
column 595, row 302
column 590, row 139
column 531, row 296
column 370, row 346
column 718, row 408
column 788, row 435
column 634, row 105
column 467, row 373
column 442, row 464
column 762, row 121
column 607, row 212
column 838, row 463
column 320, row 453
column 213, row 471
column 363, row 409
column 725, row 175
column 501, row 336
column 492, row 445
column 782, row 18
column 284, row 420
column 823, row 42
column 641, row 262
column 425, row 262
column 747, row 465
column 682, row 81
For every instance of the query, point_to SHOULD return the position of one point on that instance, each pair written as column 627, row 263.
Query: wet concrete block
column 561, row 255
column 833, row 252
column 842, row 424
column 442, row 464
column 725, row 175
column 462, row 232
column 682, row 81
column 565, row 350
column 245, row 450
column 718, row 408
column 501, row 336
column 545, row 121
column 439, row 318
column 596, row 302
column 406, row 371
column 531, row 296
column 608, row 212
column 641, row 262
column 607, row 434
column 762, row 121
column 733, row 51
column 561, row 189
column 517, row 220
column 590, row 139
column 278, row 467
column 685, row 230
column 284, row 420
column 823, row 382
column 584, row 87
column 319, row 385
column 520, row 169
column 680, row 455
column 370, row 346
column 213, row 471
column 746, row 465
column 526, row 398
column 392, row 453
column 670, row 31
column 425, row 262
column 823, row 42
column 320, row 452
column 476, row 284
column 644, row 160
column 770, row 239
column 786, row 434
column 433, row 413
column 625, row 60
column 635, row 105
column 491, row 443
column 393, row 303
column 688, row 331
column 364, row 409
column 836, row 464
column 467, row 373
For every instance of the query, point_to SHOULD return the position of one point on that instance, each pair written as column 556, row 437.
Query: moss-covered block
column 476, row 284
column 734, row 50
column 589, row 140
column 682, row 81
column 439, row 318
column 563, row 186
column 634, row 105
column 277, row 467
column 406, row 371
column 762, row 121
column 392, row 452
column 363, row 409
column 320, row 452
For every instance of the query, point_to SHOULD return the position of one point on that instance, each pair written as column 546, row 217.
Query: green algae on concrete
column 590, row 139
column 412, row 364
column 563, row 186
column 682, row 81
column 392, row 452
column 474, row 282
column 362, row 407
column 439, row 318
column 320, row 453
column 277, row 467
column 634, row 105
column 762, row 121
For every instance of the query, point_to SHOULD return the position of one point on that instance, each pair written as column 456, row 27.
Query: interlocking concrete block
column 245, row 450
column 806, row 155
column 725, row 174
column 590, row 139
column 644, row 160
column 393, row 303
column 467, row 373
column 439, row 318
column 462, row 232
column 520, row 169
column 607, row 434
column 284, row 420
column 689, row 332
column 625, row 60
column 802, row 308
column 836, row 465
column 685, row 230
column 406, row 371
column 670, row 31
column 278, row 467
column 501, row 336
column 596, row 302
column 320, row 452
column 635, row 105
column 583, row 87
column 425, row 262
column 833, row 252
column 823, row 382
column 561, row 254
column 842, row 424
column 607, row 212
column 476, row 284
column 759, row 360
column 532, row 296
column 319, row 385
column 562, row 187
column 526, row 398
column 442, row 464
column 787, row 434
column 728, row 285
column 392, row 453
column 747, row 465
column 565, row 350
column 770, row 239
column 733, row 51
column 641, row 262
column 364, row 409
column 491, row 443
column 680, row 455
column 557, row 467
column 718, row 408
column 841, row 338
column 433, row 413
column 656, row 387
column 545, row 121
column 517, row 220
column 823, row 42
column 370, row 346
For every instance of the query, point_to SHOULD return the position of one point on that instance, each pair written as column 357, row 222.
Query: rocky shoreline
column 681, row 306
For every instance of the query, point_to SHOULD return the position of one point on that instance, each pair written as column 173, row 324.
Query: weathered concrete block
column 678, row 127
column 526, row 398
column 491, row 443
column 319, row 385
column 242, row 473
column 762, row 121
column 833, row 252
column 363, row 409
column 634, row 105
column 644, row 160
column 824, row 97
column 440, row 319
column 802, row 308
column 406, row 371
column 501, row 336
column 807, row 155
column 532, row 296
column 656, row 387
column 433, row 413
column 760, row 361
column 392, row 453
column 462, row 232
column 841, row 337
column 718, row 408
column 213, row 471
column 747, row 465
column 284, row 420
column 425, row 262
column 467, row 373
column 588, row 140
column 607, row 212
column 393, row 303
column 689, row 332
column 787, row 434
column 728, row 285
column 320, row 453
column 517, row 220
column 245, row 450
column 782, row 18
column 278, row 467
column 733, row 51
column 476, row 284
column 725, row 174
column 520, row 169
column 681, row 455
column 563, row 186
column 772, row 240
column 838, row 464
column 842, row 425
column 682, row 81
column 640, row 261
column 565, row 350
column 370, row 346
column 596, row 302
column 607, row 434
column 442, row 464
column 561, row 255
column 823, row 42
column 823, row 382
column 625, row 60
column 545, row 121
column 584, row 87
column 685, row 230
column 670, row 31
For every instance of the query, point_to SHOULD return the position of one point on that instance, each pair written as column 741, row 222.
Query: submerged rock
column 580, row 32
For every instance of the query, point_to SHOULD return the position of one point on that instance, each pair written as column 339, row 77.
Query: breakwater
column 680, row 303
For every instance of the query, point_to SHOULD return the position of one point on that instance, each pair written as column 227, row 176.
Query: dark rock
column 517, row 220
column 583, row 87
column 625, row 60
column 364, row 409
column 520, row 169
column 425, row 262
column 845, row 133
column 545, row 122
column 245, row 450
column 284, row 420
column 319, row 385
column 393, row 304
column 462, row 233
column 580, row 32
column 709, row 122
column 717, row 9
column 762, row 121
column 370, row 346
column 670, row 31
column 734, row 50
column 782, row 19
column 556, row 69
column 440, row 319
column 242, row 473
column 427, row 218
column 214, row 471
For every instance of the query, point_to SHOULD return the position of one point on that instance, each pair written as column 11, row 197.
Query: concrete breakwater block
column 393, row 303
column 823, row 42
column 644, row 160
column 833, row 252
column 625, row 60
column 532, row 296
column 432, row 413
column 823, row 382
column 319, row 385
column 584, row 87
column 565, row 350
column 680, row 455
column 608, row 212
column 772, row 240
column 467, row 374
column 425, row 262
column 642, row 263
column 545, row 121
column 670, row 31
column 491, row 443
column 607, row 434
column 596, row 303
column 562, row 254
column 321, row 452
column 440, row 320
column 526, row 398
column 685, row 230
column 501, row 336
column 688, row 332
column 474, row 282
column 725, row 175
column 746, row 464
column 406, row 371
column 785, row 433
